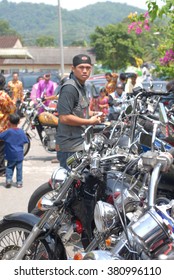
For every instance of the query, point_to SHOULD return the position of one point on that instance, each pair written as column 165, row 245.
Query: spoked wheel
column 12, row 238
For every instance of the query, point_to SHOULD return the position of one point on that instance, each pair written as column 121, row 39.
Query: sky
column 77, row 4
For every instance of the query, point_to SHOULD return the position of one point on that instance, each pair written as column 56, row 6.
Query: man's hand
column 95, row 120
column 101, row 115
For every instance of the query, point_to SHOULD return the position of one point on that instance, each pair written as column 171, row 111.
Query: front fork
column 39, row 227
column 36, row 231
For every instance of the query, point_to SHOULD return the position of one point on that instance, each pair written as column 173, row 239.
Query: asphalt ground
column 37, row 169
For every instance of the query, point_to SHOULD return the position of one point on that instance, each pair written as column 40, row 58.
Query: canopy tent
column 8, row 53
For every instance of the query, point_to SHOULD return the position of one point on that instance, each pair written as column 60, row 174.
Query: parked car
column 96, row 77
column 94, row 86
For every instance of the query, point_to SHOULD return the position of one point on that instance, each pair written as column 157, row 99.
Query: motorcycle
column 146, row 230
column 45, row 124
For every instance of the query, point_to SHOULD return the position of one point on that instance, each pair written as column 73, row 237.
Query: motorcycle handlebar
column 143, row 92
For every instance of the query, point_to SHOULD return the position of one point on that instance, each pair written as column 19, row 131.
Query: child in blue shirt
column 14, row 139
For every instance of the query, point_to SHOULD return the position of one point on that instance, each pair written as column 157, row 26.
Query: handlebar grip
column 144, row 92
column 158, row 93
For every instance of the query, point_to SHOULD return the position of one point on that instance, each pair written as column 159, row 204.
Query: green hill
column 35, row 20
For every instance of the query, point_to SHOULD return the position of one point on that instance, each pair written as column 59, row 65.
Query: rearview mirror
column 88, row 135
column 128, row 110
column 145, row 140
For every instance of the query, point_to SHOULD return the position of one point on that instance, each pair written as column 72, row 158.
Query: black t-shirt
column 68, row 100
column 69, row 138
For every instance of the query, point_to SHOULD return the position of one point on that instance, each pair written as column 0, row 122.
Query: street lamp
column 61, row 40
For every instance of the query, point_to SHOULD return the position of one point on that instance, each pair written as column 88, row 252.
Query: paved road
column 37, row 169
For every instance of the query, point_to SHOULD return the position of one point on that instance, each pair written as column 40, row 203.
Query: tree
column 45, row 41
column 114, row 47
column 165, row 65
column 165, row 52
column 81, row 43
column 5, row 28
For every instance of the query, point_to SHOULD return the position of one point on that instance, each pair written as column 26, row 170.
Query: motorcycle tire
column 44, row 190
column 13, row 236
column 27, row 146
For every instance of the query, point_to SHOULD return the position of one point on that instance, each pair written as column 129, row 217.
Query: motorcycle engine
column 49, row 140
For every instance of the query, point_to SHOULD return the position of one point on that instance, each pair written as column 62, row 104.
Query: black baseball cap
column 81, row 59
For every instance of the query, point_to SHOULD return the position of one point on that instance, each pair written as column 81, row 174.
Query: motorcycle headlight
column 58, row 177
column 105, row 216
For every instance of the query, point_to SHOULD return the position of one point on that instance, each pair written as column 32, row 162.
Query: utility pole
column 61, row 40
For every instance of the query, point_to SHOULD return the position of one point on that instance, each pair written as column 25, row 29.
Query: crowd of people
column 12, row 138
column 114, row 93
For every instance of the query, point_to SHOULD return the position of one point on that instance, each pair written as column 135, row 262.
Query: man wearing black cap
column 73, row 109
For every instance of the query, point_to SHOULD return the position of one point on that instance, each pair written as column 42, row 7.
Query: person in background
column 123, row 79
column 73, row 109
column 33, row 94
column 46, row 89
column 132, row 83
column 14, row 139
column 116, row 102
column 100, row 103
column 146, row 75
column 103, row 101
column 16, row 87
column 7, row 107
column 111, row 79
column 115, row 78
column 94, row 106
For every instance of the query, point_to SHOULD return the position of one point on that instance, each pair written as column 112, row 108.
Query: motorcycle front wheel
column 13, row 236
column 44, row 190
